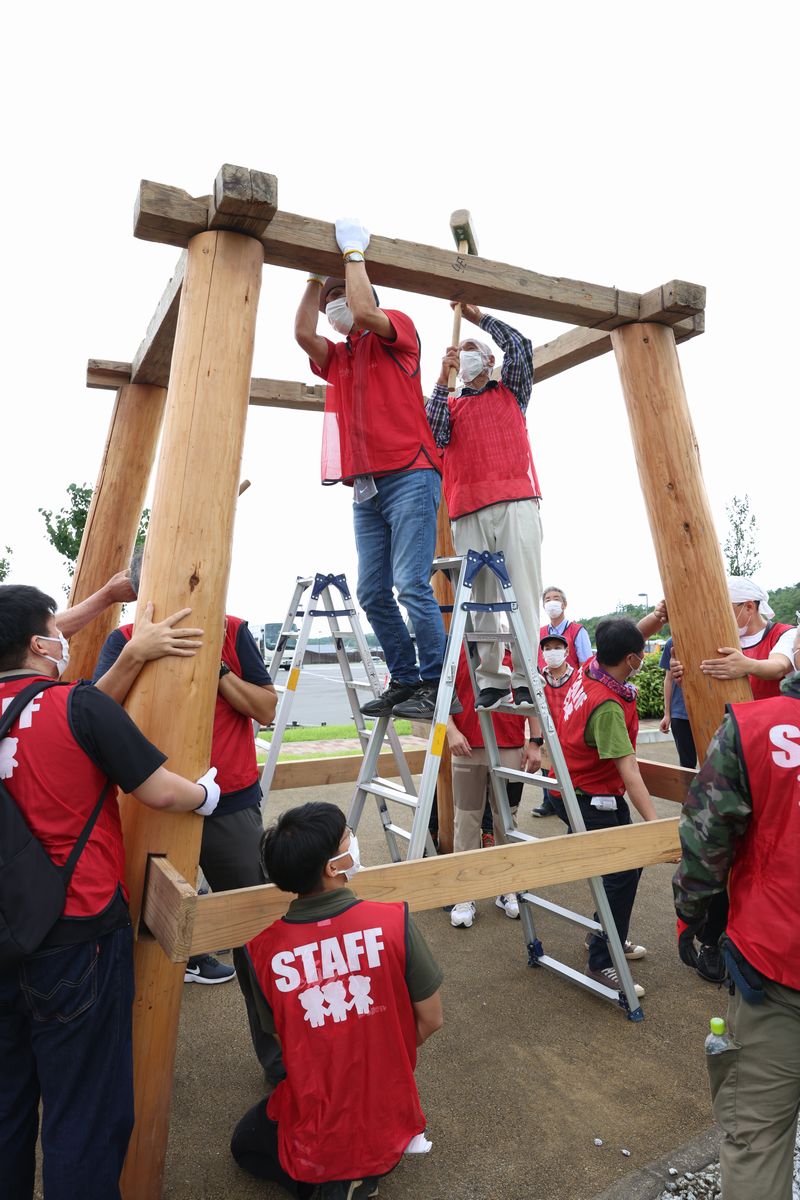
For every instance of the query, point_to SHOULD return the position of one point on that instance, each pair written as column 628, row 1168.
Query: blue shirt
column 677, row 704
column 583, row 647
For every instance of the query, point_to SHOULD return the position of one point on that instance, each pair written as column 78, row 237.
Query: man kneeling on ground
column 350, row 988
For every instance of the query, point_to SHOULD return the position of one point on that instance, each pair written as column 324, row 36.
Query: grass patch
column 324, row 733
column 295, row 755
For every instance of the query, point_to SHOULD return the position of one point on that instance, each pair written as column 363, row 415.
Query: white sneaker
column 610, row 978
column 462, row 914
column 509, row 904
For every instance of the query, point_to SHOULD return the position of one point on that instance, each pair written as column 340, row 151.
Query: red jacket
column 488, row 459
column 556, row 695
column 348, row 1106
column 762, row 689
column 764, row 884
column 590, row 773
column 233, row 750
column 571, row 631
column 508, row 729
column 375, row 421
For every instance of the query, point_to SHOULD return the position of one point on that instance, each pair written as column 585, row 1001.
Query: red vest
column 508, row 729
column 589, row 772
column 349, row 1104
column 488, row 459
column 763, row 689
column 56, row 786
column 764, row 885
column 571, row 631
column 556, row 697
column 233, row 750
column 375, row 419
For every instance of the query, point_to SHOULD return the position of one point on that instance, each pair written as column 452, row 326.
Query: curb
column 649, row 1182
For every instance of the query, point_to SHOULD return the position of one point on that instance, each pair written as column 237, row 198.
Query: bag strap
column 12, row 713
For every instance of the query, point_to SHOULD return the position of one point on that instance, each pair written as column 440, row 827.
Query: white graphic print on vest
column 576, row 697
column 8, row 748
column 317, row 965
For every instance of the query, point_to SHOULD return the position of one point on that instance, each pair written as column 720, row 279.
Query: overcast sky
column 625, row 144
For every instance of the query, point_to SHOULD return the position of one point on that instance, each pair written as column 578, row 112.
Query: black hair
column 296, row 848
column 615, row 638
column 24, row 612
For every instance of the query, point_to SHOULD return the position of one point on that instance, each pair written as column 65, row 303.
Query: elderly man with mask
column 490, row 485
column 376, row 439
column 579, row 648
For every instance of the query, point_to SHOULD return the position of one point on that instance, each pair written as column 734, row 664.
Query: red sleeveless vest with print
column 764, row 884
column 488, row 459
column 763, row 689
column 589, row 772
column 349, row 1104
column 571, row 631
column 556, row 698
column 233, row 750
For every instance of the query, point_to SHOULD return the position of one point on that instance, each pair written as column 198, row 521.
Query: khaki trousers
column 470, row 776
column 514, row 527
column 756, row 1095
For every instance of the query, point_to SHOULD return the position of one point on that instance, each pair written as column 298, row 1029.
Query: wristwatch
column 537, row 741
column 224, row 670
column 353, row 256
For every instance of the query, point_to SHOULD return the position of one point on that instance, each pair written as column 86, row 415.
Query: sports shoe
column 421, row 705
column 491, row 698
column 610, row 978
column 711, row 964
column 631, row 950
column 395, row 693
column 509, row 905
column 462, row 915
column 544, row 810
column 487, row 839
column 522, row 697
column 204, row 968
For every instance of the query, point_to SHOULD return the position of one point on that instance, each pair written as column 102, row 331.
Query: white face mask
column 339, row 314
column 554, row 658
column 636, row 669
column 742, row 628
column 554, row 608
column 352, row 852
column 61, row 663
column 471, row 365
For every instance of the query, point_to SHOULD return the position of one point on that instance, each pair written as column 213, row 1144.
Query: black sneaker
column 522, row 695
column 544, row 810
column 204, row 968
column 491, row 698
column 383, row 705
column 422, row 705
column 711, row 964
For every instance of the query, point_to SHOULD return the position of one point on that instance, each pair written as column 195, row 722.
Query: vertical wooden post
column 186, row 564
column 443, row 591
column 113, row 519
column 689, row 557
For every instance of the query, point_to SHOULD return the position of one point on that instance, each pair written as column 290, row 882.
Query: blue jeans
column 396, row 541
column 65, row 1036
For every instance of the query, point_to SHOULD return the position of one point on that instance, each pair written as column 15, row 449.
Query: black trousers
column 684, row 742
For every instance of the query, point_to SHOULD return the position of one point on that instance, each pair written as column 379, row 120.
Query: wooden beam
column 582, row 345
column 106, row 374
column 287, row 393
column 665, row 781
column 244, row 201
column 689, row 558
column 151, row 363
column 168, row 214
column 232, row 918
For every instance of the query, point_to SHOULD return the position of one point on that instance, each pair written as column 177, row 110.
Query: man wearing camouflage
column 740, row 828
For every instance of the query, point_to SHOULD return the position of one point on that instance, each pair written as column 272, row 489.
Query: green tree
column 786, row 602
column 5, row 564
column 65, row 528
column 740, row 545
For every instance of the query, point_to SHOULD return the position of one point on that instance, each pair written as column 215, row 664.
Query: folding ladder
column 321, row 593
column 463, row 572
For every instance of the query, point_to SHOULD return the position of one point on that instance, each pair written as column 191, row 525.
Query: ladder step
column 395, row 829
column 519, row 836
column 558, row 911
column 517, row 710
column 578, row 977
column 490, row 637
column 446, row 564
column 358, row 683
column 379, row 788
column 523, row 776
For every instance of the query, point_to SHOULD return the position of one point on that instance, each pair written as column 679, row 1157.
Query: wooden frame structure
column 193, row 368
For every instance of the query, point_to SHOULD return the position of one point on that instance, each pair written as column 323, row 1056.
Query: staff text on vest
column 327, row 958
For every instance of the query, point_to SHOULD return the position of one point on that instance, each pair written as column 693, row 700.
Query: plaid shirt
column 517, row 375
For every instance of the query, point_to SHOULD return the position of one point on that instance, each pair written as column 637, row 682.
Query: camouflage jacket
column 714, row 818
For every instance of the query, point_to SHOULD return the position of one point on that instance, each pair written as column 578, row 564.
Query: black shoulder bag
column 33, row 889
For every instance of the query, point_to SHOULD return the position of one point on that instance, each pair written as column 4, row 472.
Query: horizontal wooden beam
column 232, row 918
column 582, row 345
column 664, row 780
column 318, row 772
column 165, row 213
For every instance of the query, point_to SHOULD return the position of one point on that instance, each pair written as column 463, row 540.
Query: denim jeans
column 396, row 541
column 65, row 1036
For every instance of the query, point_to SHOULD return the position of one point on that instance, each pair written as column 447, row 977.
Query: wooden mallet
column 467, row 242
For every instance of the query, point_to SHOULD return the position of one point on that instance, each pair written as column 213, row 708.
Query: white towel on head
column 741, row 589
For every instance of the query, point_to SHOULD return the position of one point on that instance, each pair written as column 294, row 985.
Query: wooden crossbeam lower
column 232, row 918
column 169, row 214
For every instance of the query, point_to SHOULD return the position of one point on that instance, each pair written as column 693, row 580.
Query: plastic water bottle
column 719, row 1040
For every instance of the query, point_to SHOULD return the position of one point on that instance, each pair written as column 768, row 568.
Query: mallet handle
column 463, row 248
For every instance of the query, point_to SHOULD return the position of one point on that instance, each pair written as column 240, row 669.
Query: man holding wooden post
column 377, row 440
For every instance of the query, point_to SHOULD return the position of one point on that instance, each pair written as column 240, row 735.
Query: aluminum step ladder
column 463, row 572
column 320, row 604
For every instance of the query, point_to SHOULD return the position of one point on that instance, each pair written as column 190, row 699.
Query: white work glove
column 209, row 784
column 351, row 235
column 320, row 279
